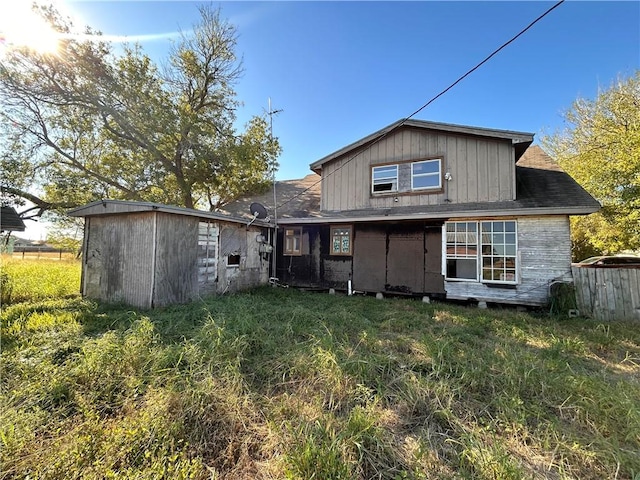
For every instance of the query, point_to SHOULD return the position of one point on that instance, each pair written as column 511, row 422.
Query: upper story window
column 341, row 240
column 426, row 174
column 384, row 179
column 293, row 241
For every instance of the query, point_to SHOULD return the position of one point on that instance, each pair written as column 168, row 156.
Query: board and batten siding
column 118, row 258
column 544, row 256
column 482, row 169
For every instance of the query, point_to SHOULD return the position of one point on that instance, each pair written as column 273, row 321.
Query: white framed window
column 484, row 251
column 426, row 174
column 462, row 251
column 384, row 179
column 341, row 240
column 292, row 241
column 499, row 249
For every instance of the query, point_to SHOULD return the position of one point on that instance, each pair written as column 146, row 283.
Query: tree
column 87, row 123
column 600, row 148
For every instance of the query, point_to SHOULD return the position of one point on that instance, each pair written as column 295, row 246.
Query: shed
column 150, row 255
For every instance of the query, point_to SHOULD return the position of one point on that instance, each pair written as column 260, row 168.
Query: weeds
column 284, row 384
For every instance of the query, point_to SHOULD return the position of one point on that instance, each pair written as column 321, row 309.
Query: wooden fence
column 608, row 293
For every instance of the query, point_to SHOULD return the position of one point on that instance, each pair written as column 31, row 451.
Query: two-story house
column 426, row 208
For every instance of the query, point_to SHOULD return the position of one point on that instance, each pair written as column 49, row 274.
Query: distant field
column 277, row 383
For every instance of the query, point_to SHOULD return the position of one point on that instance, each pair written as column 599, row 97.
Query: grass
column 277, row 383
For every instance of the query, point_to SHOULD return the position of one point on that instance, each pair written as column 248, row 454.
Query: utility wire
column 433, row 99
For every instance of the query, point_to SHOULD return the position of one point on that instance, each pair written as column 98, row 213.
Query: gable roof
column 520, row 140
column 10, row 221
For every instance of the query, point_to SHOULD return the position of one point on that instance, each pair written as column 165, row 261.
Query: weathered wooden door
column 405, row 260
column 369, row 258
column 433, row 278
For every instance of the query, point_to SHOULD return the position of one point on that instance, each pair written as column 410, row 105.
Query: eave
column 120, row 207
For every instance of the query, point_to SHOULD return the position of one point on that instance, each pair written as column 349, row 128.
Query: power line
column 433, row 99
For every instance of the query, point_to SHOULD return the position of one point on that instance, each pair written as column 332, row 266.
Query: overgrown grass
column 277, row 383
column 31, row 279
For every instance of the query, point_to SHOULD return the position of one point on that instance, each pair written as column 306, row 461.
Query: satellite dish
column 258, row 211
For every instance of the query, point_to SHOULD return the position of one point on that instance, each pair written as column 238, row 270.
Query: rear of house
column 423, row 208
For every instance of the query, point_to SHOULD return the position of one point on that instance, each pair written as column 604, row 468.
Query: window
column 293, row 241
column 499, row 251
column 495, row 248
column 233, row 260
column 426, row 174
column 341, row 240
column 462, row 250
column 384, row 179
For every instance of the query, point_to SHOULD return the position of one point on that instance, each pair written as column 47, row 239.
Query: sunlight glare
column 20, row 26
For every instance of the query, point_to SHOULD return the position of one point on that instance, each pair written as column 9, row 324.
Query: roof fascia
column 519, row 212
column 157, row 207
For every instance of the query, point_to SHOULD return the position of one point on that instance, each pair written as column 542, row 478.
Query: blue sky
column 342, row 70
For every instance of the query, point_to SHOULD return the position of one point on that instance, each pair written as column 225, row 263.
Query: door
column 405, row 260
column 433, row 278
column 369, row 258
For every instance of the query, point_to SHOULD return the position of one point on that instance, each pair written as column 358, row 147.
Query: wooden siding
column 482, row 169
column 118, row 259
column 176, row 262
column 608, row 293
column 544, row 256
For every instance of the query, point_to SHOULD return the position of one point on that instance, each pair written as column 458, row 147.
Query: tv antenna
column 271, row 113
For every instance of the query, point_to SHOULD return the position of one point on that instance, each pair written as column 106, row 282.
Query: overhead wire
column 433, row 99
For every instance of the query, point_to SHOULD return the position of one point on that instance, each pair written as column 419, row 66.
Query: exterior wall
column 482, row 169
column 253, row 269
column 118, row 258
column 316, row 267
column 544, row 255
column 400, row 258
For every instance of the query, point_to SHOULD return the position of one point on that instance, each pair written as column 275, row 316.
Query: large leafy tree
column 90, row 122
column 600, row 148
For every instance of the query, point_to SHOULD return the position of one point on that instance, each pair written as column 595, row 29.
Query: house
column 149, row 255
column 430, row 209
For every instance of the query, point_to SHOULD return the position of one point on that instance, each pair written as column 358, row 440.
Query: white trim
column 437, row 174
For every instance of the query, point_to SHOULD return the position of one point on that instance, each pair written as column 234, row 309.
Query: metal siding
column 176, row 275
column 118, row 263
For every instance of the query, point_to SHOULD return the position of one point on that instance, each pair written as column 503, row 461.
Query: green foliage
column 277, row 383
column 90, row 123
column 600, row 148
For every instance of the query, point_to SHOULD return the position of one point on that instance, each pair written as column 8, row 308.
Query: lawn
column 277, row 383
